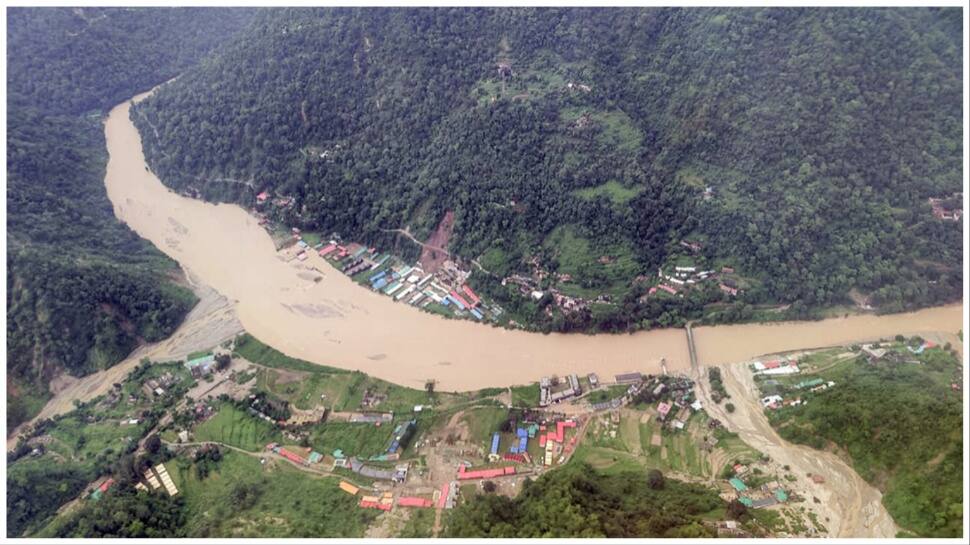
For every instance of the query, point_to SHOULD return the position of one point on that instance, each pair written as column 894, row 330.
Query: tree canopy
column 577, row 501
column 820, row 134
column 82, row 289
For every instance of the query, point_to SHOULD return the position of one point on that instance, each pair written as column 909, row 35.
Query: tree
column 489, row 487
column 244, row 495
column 729, row 407
column 655, row 479
column 223, row 361
column 736, row 509
column 153, row 443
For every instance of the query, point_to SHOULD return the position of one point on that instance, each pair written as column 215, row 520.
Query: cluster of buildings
column 875, row 353
column 550, row 434
column 554, row 442
column 947, row 209
column 156, row 478
column 281, row 201
column 449, row 495
column 202, row 366
column 686, row 276
column 636, row 385
column 777, row 400
column 159, row 385
column 553, row 392
column 781, row 366
column 519, row 451
column 411, row 284
column 263, row 200
column 766, row 495
column 578, row 86
column 529, row 286
column 399, row 439
column 396, row 474
column 676, row 416
column 384, row 501
column 351, row 259
column 290, row 455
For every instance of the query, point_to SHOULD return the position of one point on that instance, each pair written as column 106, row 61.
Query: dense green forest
column 820, row 133
column 75, row 60
column 901, row 425
column 579, row 502
column 36, row 490
column 83, row 289
column 127, row 514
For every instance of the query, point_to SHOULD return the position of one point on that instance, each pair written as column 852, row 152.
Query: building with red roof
column 291, row 456
column 460, row 299
column 484, row 473
column 414, row 501
column 443, row 498
column 106, row 485
column 471, row 294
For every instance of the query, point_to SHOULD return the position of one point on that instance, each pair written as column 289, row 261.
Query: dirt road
column 212, row 321
column 848, row 506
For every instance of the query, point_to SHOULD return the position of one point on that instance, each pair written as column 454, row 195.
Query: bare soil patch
column 431, row 257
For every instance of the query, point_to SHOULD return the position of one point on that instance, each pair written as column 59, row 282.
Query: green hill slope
column 899, row 422
column 82, row 289
column 821, row 134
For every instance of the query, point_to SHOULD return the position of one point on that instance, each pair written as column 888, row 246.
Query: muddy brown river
column 333, row 321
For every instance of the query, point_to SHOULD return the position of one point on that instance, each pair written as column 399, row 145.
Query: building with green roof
column 738, row 484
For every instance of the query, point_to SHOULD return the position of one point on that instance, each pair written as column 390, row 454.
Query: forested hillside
column 82, row 289
column 899, row 422
column 799, row 146
column 578, row 502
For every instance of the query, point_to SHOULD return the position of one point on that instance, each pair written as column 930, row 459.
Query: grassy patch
column 613, row 190
column 234, row 427
column 596, row 269
column 255, row 351
column 311, row 238
column 420, row 524
column 496, row 261
column 84, row 442
column 606, row 394
column 354, row 439
column 241, row 498
column 483, row 422
column 199, row 354
column 615, row 129
column 338, row 389
column 525, row 396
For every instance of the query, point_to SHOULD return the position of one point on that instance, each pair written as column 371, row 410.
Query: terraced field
column 636, row 439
